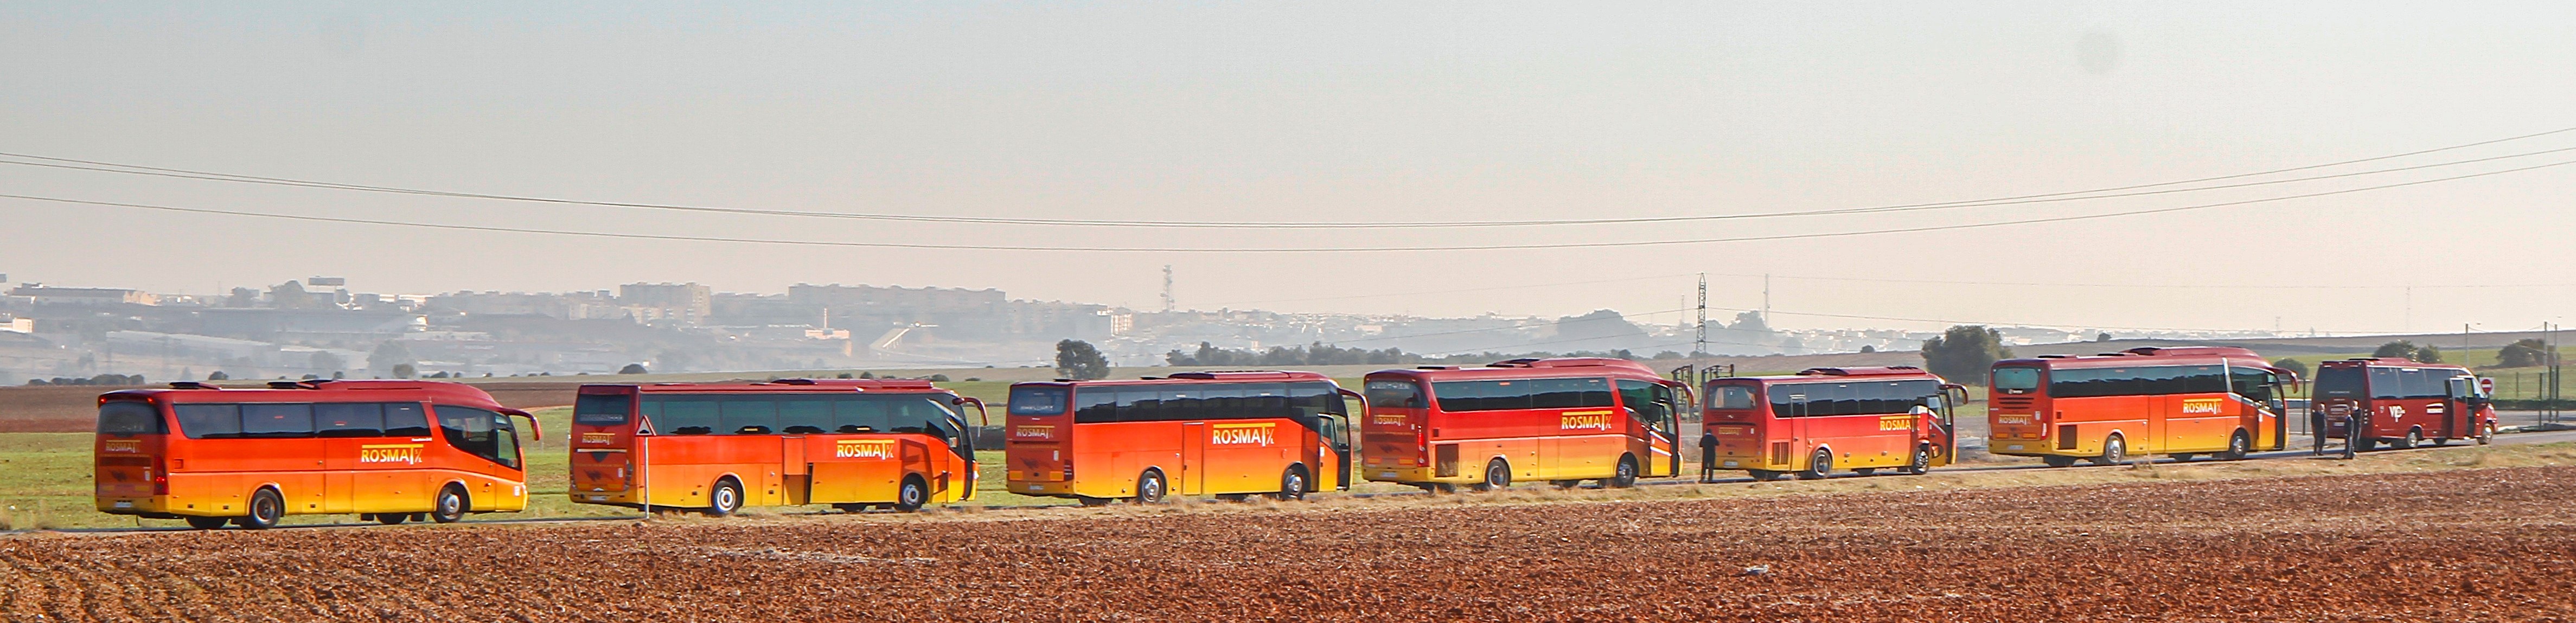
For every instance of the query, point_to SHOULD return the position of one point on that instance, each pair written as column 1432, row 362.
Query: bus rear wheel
column 207, row 523
column 449, row 506
column 1498, row 475
column 1819, row 466
column 392, row 519
column 1092, row 501
column 2114, row 451
column 1151, row 488
column 2058, row 461
column 1762, row 475
column 1626, row 476
column 912, row 495
column 266, row 509
column 726, row 499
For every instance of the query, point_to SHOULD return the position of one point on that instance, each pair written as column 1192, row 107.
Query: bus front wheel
column 2058, row 461
column 207, row 523
column 1818, row 466
column 1151, row 488
column 2239, row 446
column 450, row 505
column 2414, row 437
column 266, row 509
column 1498, row 475
column 1922, row 461
column 392, row 519
column 1092, row 501
column 912, row 495
column 1762, row 475
column 1626, row 476
column 1292, row 484
column 2486, row 434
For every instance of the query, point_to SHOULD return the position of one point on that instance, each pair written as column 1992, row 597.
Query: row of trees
column 103, row 379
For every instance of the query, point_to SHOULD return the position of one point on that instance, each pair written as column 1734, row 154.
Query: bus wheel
column 2486, row 434
column 1292, row 485
column 2183, row 457
column 2114, row 451
column 1092, row 501
column 2414, row 437
column 2239, row 446
column 207, row 523
column 1819, row 466
column 1498, row 474
column 2441, row 441
column 1150, row 488
column 1626, row 476
column 1762, row 475
column 2058, row 461
column 450, row 505
column 912, row 495
column 725, row 499
column 1565, row 484
column 1865, row 471
column 392, row 519
column 266, row 509
column 1922, row 461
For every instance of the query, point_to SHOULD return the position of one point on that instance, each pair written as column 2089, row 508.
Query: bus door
column 1194, row 440
column 1946, row 432
column 2459, row 416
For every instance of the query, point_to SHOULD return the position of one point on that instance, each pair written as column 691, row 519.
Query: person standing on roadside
column 1707, row 454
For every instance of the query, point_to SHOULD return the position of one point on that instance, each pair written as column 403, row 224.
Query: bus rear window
column 2340, row 382
column 1038, row 400
column 2016, row 380
column 127, row 417
column 602, row 409
column 1730, row 397
column 1395, row 394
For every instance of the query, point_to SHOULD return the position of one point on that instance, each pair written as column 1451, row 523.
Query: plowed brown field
column 2481, row 545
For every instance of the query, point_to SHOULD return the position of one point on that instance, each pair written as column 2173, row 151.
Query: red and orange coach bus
column 853, row 444
column 1228, row 434
column 1822, row 419
column 390, row 451
column 2183, row 402
column 2407, row 402
column 1561, row 420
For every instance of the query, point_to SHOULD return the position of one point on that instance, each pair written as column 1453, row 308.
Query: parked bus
column 2404, row 402
column 852, row 444
column 2183, row 402
column 1227, row 434
column 1822, row 419
column 389, row 451
column 1561, row 420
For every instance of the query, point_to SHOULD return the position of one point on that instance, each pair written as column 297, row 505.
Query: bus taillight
column 160, row 477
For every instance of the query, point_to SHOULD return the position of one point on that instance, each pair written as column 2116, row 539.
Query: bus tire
column 2486, row 434
column 912, row 495
column 1565, row 484
column 1152, row 488
column 1921, row 463
column 2115, row 451
column 1762, row 475
column 1626, row 476
column 725, row 499
column 2186, row 457
column 207, row 523
column 2239, row 446
column 1292, row 484
column 450, row 505
column 1092, row 501
column 2058, row 461
column 266, row 508
column 392, row 519
column 2414, row 437
column 1498, row 475
column 1819, row 466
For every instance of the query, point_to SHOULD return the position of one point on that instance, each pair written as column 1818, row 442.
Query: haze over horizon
column 1375, row 113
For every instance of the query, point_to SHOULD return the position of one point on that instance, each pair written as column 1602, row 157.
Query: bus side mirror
column 1933, row 402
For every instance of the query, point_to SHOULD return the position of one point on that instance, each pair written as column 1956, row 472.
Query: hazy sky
column 1347, row 112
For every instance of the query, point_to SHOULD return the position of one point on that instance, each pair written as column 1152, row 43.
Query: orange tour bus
column 1561, row 420
column 1227, row 434
column 718, row 447
column 389, row 451
column 1822, row 419
column 2183, row 401
column 2406, row 402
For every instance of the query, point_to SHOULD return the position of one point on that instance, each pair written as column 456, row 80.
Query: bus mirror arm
column 983, row 418
column 536, row 432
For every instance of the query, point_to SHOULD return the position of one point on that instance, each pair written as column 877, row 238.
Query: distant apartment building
column 596, row 305
column 14, row 324
column 96, row 297
column 689, row 302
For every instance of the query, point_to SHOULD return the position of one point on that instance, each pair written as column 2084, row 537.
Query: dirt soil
column 2474, row 545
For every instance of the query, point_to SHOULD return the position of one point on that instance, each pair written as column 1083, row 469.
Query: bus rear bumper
column 149, row 507
column 1406, row 475
column 1054, row 488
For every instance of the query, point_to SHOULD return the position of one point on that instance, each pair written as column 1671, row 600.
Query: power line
column 1488, row 247
column 2153, row 285
column 1420, row 292
column 111, row 167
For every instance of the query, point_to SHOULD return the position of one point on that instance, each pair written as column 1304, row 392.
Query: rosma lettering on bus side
column 863, row 449
column 404, row 453
column 1260, row 434
column 1584, row 420
column 2200, row 406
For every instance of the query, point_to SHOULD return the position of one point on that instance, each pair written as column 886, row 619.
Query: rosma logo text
column 121, row 445
column 1034, row 432
column 406, row 453
column 2200, row 406
column 598, row 438
column 1241, row 434
column 863, row 449
column 1584, row 420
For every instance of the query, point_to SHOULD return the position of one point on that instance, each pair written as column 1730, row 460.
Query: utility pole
column 1702, row 344
column 1766, row 300
column 1168, row 304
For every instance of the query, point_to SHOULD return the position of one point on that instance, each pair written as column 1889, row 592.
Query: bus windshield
column 1038, row 400
column 2016, row 380
column 2340, row 382
column 601, row 409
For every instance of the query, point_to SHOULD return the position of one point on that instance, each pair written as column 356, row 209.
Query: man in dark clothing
column 1707, row 455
